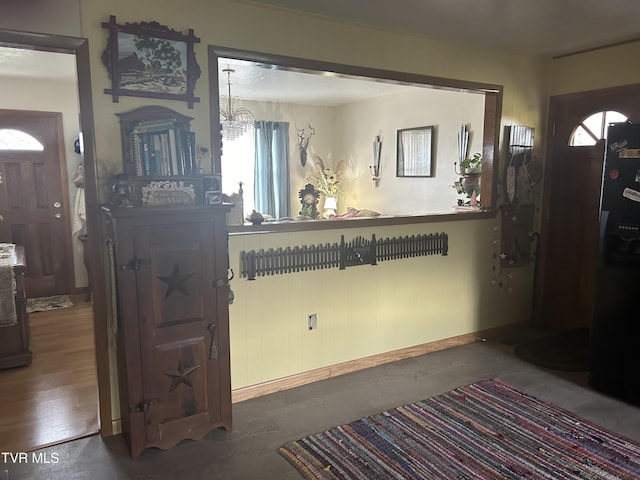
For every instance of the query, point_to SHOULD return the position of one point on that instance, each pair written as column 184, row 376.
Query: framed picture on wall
column 150, row 60
column 415, row 152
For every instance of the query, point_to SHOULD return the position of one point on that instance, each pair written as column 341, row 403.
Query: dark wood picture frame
column 417, row 161
column 134, row 69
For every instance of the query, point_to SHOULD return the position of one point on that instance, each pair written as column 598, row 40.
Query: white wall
column 52, row 96
column 346, row 132
column 360, row 122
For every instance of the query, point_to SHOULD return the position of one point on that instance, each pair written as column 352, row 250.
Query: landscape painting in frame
column 150, row 60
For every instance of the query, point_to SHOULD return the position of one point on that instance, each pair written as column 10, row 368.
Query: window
column 594, row 128
column 236, row 169
column 11, row 139
column 266, row 147
column 347, row 105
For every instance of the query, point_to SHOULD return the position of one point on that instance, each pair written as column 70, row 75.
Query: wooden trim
column 324, row 373
column 80, row 47
column 306, row 65
column 214, row 112
column 490, row 149
column 363, row 222
column 66, row 207
column 116, row 427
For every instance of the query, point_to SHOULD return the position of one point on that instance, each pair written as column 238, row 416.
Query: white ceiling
column 17, row 62
column 251, row 81
column 541, row 27
column 545, row 27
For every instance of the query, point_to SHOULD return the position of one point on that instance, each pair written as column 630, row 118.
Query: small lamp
column 330, row 205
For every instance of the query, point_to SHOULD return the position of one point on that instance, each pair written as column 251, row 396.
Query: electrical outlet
column 312, row 321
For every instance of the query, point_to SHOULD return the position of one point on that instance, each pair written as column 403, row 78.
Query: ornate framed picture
column 150, row 60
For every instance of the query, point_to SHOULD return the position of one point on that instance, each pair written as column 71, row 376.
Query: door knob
column 58, row 215
column 57, row 204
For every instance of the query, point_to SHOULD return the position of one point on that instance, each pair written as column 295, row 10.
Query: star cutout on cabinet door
column 181, row 375
column 176, row 281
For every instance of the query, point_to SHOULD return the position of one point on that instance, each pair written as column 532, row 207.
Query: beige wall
column 361, row 311
column 57, row 17
column 607, row 67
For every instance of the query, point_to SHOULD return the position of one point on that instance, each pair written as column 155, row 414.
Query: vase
column 470, row 184
column 330, row 205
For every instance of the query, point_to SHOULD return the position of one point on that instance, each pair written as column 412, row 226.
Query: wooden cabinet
column 170, row 266
column 15, row 339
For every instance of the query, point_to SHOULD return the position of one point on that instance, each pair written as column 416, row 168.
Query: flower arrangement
column 331, row 182
column 472, row 165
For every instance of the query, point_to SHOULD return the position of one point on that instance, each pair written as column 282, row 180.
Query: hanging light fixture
column 235, row 119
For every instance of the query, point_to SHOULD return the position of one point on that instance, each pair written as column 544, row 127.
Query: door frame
column 80, row 48
column 598, row 99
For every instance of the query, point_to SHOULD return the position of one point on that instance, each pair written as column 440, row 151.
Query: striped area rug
column 487, row 430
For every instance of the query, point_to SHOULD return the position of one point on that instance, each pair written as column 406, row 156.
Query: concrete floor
column 262, row 425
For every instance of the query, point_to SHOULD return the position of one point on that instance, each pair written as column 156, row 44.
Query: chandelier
column 235, row 119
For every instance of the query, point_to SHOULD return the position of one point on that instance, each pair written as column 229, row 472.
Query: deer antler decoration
column 303, row 143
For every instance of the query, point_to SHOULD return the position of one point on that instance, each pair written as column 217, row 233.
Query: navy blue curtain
column 271, row 182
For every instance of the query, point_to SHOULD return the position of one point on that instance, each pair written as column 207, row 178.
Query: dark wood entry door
column 33, row 202
column 565, row 289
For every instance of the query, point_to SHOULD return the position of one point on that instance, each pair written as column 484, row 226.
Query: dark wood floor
column 261, row 425
column 54, row 399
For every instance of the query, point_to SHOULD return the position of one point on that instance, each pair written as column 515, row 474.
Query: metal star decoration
column 176, row 281
column 181, row 375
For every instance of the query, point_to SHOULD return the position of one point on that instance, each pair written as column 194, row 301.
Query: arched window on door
column 11, row 139
column 594, row 128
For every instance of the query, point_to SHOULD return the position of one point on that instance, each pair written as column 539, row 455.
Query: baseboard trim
column 324, row 373
column 280, row 384
column 116, row 427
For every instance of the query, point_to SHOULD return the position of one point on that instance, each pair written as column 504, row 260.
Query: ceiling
column 539, row 27
column 252, row 81
column 17, row 62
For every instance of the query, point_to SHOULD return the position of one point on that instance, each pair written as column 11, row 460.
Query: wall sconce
column 463, row 146
column 303, row 143
column 375, row 168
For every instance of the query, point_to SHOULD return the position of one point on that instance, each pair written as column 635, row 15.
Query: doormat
column 486, row 430
column 567, row 351
column 42, row 304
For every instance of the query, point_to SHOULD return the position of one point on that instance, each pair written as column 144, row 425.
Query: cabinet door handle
column 213, row 349
column 58, row 215
column 144, row 405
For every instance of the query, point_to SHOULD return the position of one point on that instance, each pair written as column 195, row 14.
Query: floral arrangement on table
column 331, row 182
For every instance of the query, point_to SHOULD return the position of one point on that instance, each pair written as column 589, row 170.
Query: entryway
column 54, row 399
column 568, row 243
